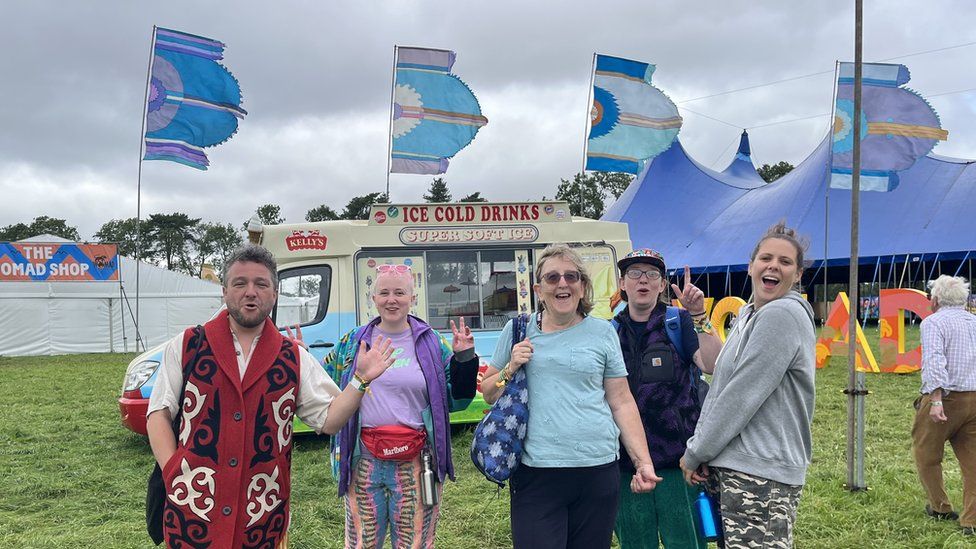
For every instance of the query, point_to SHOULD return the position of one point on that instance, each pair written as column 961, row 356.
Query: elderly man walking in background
column 947, row 409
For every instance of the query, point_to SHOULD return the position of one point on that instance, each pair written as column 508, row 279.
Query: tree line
column 183, row 243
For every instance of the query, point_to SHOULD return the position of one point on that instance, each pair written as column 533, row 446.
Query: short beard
column 243, row 322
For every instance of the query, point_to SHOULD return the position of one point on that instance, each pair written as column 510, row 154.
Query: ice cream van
column 473, row 260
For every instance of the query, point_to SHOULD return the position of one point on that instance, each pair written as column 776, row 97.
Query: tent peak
column 744, row 152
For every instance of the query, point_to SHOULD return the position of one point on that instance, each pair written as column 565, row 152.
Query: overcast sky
column 316, row 81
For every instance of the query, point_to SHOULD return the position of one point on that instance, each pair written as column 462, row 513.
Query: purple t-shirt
column 399, row 396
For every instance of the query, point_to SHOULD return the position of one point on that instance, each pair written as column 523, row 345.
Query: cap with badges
column 642, row 255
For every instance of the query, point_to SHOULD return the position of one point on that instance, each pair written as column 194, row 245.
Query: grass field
column 72, row 476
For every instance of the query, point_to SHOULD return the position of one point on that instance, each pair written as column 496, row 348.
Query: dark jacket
column 668, row 409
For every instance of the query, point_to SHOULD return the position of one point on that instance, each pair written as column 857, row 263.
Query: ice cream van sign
column 306, row 240
column 39, row 262
column 469, row 214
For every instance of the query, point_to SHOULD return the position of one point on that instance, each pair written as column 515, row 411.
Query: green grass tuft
column 72, row 476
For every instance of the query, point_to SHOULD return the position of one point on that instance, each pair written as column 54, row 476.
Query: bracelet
column 697, row 315
column 704, row 326
column 936, row 403
column 502, row 377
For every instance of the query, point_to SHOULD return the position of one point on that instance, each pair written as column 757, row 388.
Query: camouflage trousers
column 756, row 512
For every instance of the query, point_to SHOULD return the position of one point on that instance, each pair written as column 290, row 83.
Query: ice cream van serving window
column 481, row 286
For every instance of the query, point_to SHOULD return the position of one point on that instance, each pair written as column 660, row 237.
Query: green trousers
column 663, row 516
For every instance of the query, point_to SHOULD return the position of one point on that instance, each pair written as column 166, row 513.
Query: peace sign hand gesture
column 372, row 362
column 296, row 336
column 691, row 298
column 463, row 339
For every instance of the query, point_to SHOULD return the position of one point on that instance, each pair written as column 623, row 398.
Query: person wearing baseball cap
column 662, row 381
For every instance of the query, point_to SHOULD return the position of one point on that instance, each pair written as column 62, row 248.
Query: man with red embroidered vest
column 227, row 471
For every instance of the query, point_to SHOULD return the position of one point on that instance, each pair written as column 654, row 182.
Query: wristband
column 936, row 403
column 359, row 383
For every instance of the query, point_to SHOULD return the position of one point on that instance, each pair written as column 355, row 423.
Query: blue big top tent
column 711, row 220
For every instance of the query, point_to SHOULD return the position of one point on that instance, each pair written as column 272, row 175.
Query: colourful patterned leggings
column 388, row 493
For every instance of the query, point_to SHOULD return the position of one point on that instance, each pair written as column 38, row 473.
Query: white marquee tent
column 52, row 318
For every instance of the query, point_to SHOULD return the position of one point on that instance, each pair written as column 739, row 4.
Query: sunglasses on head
column 399, row 269
column 552, row 278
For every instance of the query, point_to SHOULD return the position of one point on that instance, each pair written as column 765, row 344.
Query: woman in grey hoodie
column 753, row 436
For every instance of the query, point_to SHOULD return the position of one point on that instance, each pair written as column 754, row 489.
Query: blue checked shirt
column 949, row 350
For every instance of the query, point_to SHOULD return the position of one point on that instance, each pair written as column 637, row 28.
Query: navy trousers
column 564, row 508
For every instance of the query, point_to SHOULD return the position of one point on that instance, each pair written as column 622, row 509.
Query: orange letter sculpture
column 726, row 307
column 719, row 314
column 894, row 303
column 833, row 339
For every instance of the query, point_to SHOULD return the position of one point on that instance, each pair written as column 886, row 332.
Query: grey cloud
column 316, row 77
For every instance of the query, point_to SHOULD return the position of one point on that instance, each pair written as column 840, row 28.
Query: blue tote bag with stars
column 498, row 440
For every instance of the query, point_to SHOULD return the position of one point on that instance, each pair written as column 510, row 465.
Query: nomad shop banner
column 58, row 262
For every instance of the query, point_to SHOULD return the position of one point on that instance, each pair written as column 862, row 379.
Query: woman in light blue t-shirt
column 564, row 493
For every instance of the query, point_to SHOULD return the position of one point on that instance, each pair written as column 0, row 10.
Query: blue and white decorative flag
column 194, row 102
column 897, row 127
column 631, row 121
column 435, row 114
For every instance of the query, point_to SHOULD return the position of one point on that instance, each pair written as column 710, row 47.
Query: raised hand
column 691, row 298
column 296, row 336
column 372, row 362
column 463, row 339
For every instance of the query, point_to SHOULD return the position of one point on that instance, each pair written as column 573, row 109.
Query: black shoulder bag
column 156, row 491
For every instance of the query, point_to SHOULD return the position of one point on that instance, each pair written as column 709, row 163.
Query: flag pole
column 830, row 162
column 855, row 386
column 589, row 116
column 389, row 133
column 142, row 142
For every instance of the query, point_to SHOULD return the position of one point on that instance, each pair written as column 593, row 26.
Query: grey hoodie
column 756, row 418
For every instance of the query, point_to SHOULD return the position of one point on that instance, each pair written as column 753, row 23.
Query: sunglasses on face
column 636, row 274
column 552, row 278
column 399, row 269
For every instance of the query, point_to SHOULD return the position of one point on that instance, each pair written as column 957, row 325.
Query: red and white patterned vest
column 228, row 484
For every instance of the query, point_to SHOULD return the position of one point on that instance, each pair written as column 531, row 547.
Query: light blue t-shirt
column 570, row 423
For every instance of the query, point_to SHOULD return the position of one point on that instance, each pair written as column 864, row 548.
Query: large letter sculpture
column 833, row 338
column 894, row 303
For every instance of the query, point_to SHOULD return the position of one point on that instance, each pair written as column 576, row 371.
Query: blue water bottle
column 709, row 526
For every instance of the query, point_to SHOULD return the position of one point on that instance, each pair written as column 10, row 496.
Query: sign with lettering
column 306, row 240
column 58, row 262
column 491, row 234
column 463, row 213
